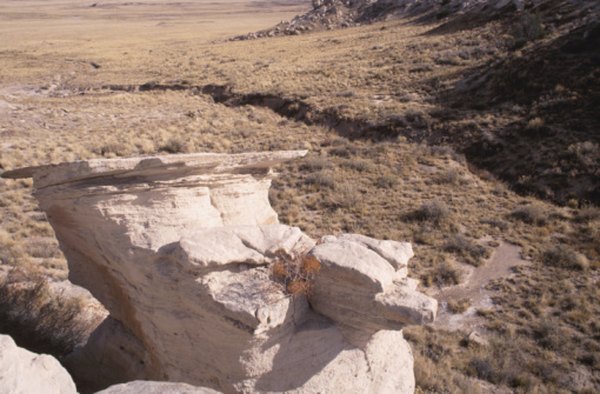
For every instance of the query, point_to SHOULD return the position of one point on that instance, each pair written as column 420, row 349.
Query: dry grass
column 39, row 320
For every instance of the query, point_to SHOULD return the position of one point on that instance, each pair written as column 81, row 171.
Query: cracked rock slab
column 181, row 251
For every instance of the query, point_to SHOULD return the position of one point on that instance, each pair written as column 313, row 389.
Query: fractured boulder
column 181, row 250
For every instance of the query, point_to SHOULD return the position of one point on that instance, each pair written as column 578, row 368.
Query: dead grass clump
column 527, row 28
column 296, row 274
column 10, row 251
column 562, row 256
column 173, row 145
column 112, row 149
column 345, row 196
column 386, row 181
column 38, row 320
column 347, row 151
column 431, row 211
column 443, row 274
column 458, row 306
column 358, row 165
column 315, row 163
column 321, row 179
column 467, row 250
column 449, row 177
column 548, row 334
column 587, row 214
column 531, row 214
column 587, row 153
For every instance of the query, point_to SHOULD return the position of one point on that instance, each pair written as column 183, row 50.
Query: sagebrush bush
column 528, row 28
column 315, row 163
column 469, row 251
column 321, row 179
column 173, row 145
column 458, row 306
column 431, row 211
column 562, row 256
column 443, row 274
column 39, row 320
column 531, row 214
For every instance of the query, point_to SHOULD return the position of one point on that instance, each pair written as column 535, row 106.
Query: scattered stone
column 476, row 338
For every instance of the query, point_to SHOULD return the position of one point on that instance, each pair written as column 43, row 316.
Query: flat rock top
column 192, row 163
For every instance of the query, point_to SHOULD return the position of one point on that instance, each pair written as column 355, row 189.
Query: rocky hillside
column 537, row 76
column 330, row 14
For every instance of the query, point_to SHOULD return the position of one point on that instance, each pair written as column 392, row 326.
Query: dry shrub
column 449, row 177
column 587, row 214
column 321, row 179
column 10, row 251
column 296, row 274
column 173, row 145
column 527, row 28
column 443, row 274
column 458, row 306
column 531, row 214
column 431, row 211
column 467, row 250
column 345, row 196
column 562, row 256
column 548, row 334
column 39, row 320
column 315, row 163
column 359, row 165
column 386, row 181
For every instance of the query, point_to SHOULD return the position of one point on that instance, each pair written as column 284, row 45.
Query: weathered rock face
column 181, row 251
column 148, row 387
column 22, row 371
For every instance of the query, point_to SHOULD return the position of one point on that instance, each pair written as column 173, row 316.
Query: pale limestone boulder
column 180, row 250
column 25, row 372
column 362, row 283
column 150, row 387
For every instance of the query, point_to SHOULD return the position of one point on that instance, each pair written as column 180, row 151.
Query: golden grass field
column 72, row 87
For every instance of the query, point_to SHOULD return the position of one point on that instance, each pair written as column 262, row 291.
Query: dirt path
column 499, row 265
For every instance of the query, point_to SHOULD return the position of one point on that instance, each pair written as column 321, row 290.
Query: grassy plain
column 72, row 87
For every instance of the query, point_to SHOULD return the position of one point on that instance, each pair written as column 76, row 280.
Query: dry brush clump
column 39, row 319
column 535, row 214
column 468, row 251
column 434, row 211
column 563, row 256
column 296, row 273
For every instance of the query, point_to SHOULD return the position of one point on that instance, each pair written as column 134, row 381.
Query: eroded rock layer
column 182, row 251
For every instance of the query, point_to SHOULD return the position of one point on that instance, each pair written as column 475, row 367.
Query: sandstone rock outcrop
column 22, row 371
column 181, row 250
column 149, row 387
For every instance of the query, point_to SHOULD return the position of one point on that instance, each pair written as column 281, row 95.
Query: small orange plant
column 296, row 274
